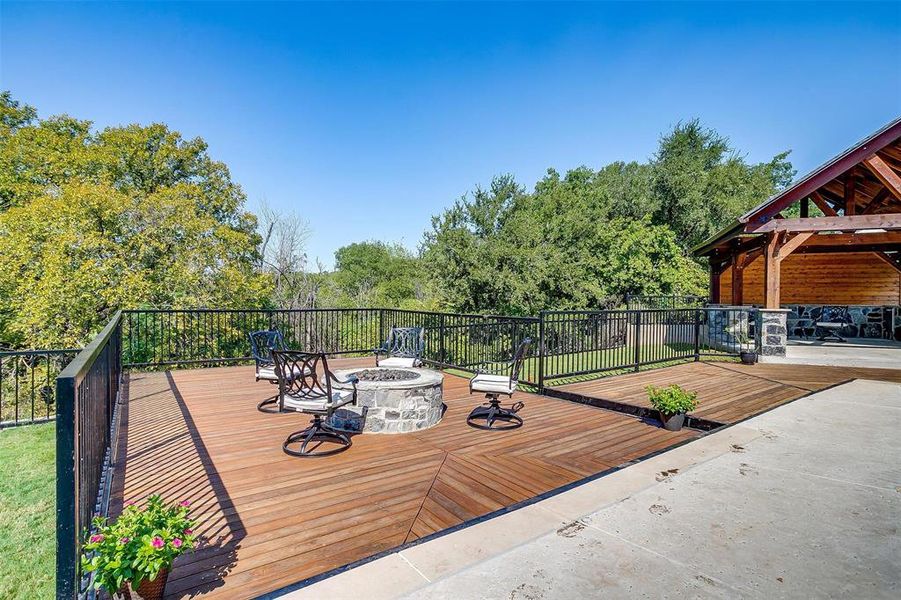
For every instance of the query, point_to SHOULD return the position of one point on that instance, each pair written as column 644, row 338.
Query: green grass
column 27, row 511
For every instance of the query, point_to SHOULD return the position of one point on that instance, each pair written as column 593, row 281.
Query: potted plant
column 131, row 555
column 746, row 349
column 672, row 402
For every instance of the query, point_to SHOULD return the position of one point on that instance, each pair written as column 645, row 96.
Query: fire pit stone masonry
column 391, row 400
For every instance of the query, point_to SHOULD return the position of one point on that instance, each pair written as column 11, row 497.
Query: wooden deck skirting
column 727, row 392
column 271, row 520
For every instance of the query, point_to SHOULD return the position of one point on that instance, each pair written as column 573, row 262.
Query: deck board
column 729, row 392
column 271, row 519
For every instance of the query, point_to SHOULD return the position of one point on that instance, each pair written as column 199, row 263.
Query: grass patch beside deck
column 28, row 511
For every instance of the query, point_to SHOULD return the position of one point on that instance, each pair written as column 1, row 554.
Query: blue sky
column 367, row 119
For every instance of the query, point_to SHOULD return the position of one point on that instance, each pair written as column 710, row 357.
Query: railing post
column 541, row 352
column 382, row 335
column 66, row 496
column 637, row 339
column 697, row 334
column 442, row 348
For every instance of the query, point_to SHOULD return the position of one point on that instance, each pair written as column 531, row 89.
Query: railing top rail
column 295, row 310
column 81, row 363
column 38, row 352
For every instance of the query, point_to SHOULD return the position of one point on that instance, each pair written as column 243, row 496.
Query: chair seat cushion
column 269, row 372
column 485, row 382
column 828, row 325
column 318, row 404
column 399, row 362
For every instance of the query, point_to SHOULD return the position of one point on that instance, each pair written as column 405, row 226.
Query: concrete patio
column 856, row 352
column 802, row 501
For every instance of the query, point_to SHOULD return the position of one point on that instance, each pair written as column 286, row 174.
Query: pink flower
column 158, row 542
column 124, row 540
column 96, row 538
column 185, row 503
column 189, row 531
column 177, row 542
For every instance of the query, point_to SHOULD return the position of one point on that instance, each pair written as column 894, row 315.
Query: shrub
column 672, row 399
column 139, row 544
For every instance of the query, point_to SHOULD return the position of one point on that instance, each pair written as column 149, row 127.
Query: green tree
column 378, row 274
column 122, row 218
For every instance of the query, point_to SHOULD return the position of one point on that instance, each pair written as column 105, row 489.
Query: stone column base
column 772, row 331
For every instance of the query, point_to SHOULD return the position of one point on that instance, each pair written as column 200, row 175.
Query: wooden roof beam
column 893, row 260
column 855, row 239
column 822, row 204
column 845, row 223
column 885, row 174
column 876, row 202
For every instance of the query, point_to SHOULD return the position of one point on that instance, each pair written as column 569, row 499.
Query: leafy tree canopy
column 590, row 236
column 378, row 274
column 91, row 222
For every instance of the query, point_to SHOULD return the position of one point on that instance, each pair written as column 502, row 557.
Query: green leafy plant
column 672, row 399
column 139, row 544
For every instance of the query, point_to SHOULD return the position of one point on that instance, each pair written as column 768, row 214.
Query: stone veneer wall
column 879, row 322
column 773, row 331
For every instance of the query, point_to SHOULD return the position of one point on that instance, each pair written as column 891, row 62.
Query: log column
column 771, row 269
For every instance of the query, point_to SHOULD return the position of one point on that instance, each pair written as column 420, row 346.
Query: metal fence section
column 27, row 384
column 581, row 343
column 87, row 394
column 664, row 302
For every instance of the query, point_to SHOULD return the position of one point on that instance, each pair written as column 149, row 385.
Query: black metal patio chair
column 494, row 380
column 262, row 343
column 403, row 348
column 832, row 320
column 310, row 391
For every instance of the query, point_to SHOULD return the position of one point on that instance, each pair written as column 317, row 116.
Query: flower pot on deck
column 748, row 357
column 147, row 590
column 672, row 422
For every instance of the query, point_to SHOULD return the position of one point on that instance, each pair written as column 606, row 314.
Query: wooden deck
column 728, row 392
column 271, row 520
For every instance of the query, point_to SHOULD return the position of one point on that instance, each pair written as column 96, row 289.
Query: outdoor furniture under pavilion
column 831, row 321
column 403, row 348
column 493, row 382
column 310, row 391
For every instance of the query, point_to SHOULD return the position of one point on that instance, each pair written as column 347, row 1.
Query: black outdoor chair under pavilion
column 310, row 391
column 502, row 381
column 403, row 348
column 832, row 320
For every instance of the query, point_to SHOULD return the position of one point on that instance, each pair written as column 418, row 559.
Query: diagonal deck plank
column 729, row 392
column 271, row 519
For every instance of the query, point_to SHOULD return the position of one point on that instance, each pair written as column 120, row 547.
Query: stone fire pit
column 394, row 400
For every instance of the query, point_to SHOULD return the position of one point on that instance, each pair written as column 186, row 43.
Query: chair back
column 518, row 358
column 262, row 343
column 302, row 375
column 834, row 314
column 405, row 342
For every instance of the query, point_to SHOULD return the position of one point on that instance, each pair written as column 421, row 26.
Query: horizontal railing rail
column 28, row 384
column 664, row 302
column 87, row 392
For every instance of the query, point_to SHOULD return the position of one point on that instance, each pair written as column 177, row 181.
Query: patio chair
column 832, row 320
column 403, row 348
column 262, row 343
column 494, row 382
column 311, row 392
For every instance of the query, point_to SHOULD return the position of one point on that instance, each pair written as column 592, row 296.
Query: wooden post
column 714, row 282
column 771, row 271
column 850, row 194
column 738, row 279
column 805, row 208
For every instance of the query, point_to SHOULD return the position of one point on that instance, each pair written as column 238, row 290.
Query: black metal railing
column 87, row 394
column 580, row 343
column 27, row 384
column 161, row 338
column 664, row 302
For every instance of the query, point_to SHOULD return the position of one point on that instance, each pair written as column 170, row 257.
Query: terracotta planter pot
column 148, row 590
column 673, row 422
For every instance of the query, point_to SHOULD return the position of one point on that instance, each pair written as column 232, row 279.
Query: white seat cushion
column 269, row 372
column 484, row 382
column 398, row 362
column 319, row 404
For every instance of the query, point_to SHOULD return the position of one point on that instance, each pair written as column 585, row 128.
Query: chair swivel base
column 494, row 417
column 313, row 437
